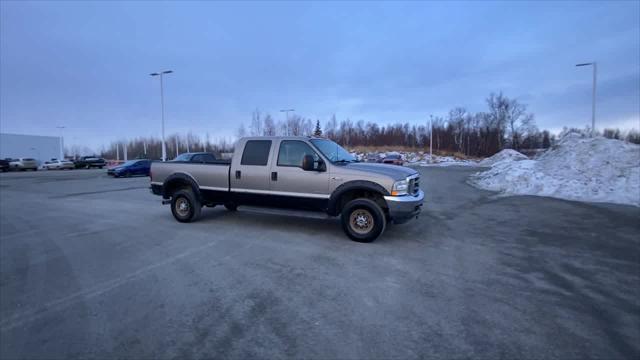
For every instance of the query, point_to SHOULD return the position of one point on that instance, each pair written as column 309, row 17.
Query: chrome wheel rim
column 182, row 207
column 361, row 221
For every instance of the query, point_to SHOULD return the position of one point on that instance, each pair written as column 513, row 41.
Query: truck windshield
column 334, row 152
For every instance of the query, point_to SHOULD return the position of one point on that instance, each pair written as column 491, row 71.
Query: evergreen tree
column 317, row 131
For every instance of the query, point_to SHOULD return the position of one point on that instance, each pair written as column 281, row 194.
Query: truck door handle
column 238, row 174
column 274, row 176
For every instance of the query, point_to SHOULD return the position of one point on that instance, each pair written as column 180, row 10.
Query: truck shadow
column 293, row 223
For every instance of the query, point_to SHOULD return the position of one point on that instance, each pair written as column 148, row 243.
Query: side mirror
column 307, row 163
column 321, row 165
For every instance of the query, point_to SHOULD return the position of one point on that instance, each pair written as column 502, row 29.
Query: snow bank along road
column 94, row 267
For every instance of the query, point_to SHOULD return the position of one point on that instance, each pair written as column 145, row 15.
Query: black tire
column 231, row 206
column 185, row 197
column 367, row 211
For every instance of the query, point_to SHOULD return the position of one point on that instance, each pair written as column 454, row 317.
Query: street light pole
column 61, row 143
column 287, row 111
column 593, row 96
column 161, row 73
column 430, row 138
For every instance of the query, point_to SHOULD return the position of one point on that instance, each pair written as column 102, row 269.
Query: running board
column 286, row 212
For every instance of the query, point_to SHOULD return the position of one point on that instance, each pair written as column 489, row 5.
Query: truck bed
column 210, row 176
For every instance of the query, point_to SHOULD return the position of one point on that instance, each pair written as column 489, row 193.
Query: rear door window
column 256, row 152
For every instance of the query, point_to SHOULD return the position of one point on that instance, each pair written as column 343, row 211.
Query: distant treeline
column 175, row 144
column 506, row 123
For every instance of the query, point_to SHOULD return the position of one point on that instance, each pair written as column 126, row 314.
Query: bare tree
column 255, row 128
column 457, row 121
column 269, row 128
column 330, row 128
column 242, row 132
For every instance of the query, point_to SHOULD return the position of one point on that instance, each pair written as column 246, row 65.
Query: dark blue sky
column 86, row 65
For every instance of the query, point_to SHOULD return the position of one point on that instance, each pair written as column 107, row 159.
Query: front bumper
column 404, row 208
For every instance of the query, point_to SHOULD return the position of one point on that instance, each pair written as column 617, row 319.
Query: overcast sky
column 85, row 65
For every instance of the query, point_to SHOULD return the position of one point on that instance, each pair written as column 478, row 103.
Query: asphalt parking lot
column 95, row 267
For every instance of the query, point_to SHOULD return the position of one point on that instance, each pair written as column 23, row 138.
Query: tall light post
column 161, row 73
column 430, row 138
column 593, row 96
column 287, row 111
column 61, row 143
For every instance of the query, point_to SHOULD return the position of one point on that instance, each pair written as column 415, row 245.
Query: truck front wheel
column 363, row 220
column 185, row 206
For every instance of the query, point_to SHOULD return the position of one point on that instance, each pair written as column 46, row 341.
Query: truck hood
column 393, row 171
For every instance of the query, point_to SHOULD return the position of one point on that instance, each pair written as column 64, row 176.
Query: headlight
column 400, row 188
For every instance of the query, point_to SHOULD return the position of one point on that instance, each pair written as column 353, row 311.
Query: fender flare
column 350, row 186
column 180, row 178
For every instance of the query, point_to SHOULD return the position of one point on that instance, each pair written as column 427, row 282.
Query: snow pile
column 504, row 155
column 584, row 169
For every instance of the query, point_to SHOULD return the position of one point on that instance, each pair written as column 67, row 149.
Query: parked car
column 294, row 172
column 196, row 157
column 23, row 164
column 4, row 165
column 371, row 158
column 58, row 164
column 394, row 159
column 87, row 162
column 131, row 167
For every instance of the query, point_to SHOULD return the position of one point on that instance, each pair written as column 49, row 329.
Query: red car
column 392, row 159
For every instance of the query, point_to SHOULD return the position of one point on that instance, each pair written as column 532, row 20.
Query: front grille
column 414, row 185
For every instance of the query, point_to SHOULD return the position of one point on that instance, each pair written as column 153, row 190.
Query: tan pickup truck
column 297, row 173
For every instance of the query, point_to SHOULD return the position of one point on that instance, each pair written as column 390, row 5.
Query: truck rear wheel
column 363, row 220
column 185, row 206
column 231, row 206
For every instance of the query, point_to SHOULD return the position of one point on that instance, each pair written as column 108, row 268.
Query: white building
column 41, row 148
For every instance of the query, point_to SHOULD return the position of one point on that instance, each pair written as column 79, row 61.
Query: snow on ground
column 577, row 168
column 506, row 154
column 445, row 161
column 416, row 158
